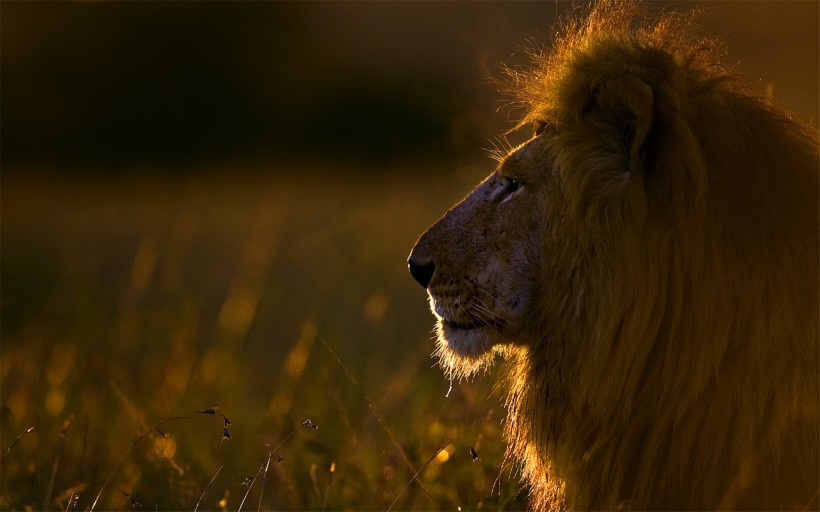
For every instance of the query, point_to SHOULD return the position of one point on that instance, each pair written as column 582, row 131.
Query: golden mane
column 702, row 324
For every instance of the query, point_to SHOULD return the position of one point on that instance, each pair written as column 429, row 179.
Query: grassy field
column 279, row 296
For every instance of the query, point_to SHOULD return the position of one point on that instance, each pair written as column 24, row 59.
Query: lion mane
column 678, row 361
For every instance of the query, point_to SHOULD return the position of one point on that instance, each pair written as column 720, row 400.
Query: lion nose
column 421, row 272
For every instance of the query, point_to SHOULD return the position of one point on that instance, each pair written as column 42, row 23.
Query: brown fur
column 648, row 265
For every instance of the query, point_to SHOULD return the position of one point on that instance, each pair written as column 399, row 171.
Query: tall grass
column 131, row 304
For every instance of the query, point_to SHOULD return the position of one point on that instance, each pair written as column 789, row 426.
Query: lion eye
column 511, row 186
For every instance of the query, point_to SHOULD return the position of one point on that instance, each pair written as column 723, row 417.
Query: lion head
column 647, row 264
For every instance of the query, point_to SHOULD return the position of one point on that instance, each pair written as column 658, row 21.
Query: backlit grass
column 130, row 304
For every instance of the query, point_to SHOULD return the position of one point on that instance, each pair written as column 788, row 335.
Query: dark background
column 108, row 86
column 212, row 203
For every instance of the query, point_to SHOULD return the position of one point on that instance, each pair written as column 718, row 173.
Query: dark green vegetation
column 278, row 297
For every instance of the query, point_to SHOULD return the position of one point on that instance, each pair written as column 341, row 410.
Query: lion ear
column 624, row 105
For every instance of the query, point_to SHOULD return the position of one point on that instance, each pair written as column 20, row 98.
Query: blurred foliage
column 278, row 299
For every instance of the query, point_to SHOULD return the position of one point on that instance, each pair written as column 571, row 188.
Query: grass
column 130, row 304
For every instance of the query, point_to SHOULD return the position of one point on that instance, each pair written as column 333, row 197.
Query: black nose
column 421, row 272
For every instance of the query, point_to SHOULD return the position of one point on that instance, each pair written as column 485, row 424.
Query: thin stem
column 140, row 438
column 55, row 466
column 250, row 484
column 264, row 477
column 476, row 422
column 207, row 487
column 14, row 443
column 264, row 467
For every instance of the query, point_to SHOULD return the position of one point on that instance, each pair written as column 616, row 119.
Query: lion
column 647, row 265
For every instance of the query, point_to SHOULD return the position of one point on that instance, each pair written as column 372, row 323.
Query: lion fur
column 679, row 368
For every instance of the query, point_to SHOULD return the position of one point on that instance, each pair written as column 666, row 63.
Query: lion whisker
column 485, row 314
column 501, row 148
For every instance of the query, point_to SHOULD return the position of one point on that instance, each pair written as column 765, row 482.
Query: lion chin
column 647, row 265
column 464, row 350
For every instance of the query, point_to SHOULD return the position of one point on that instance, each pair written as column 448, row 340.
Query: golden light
column 444, row 455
